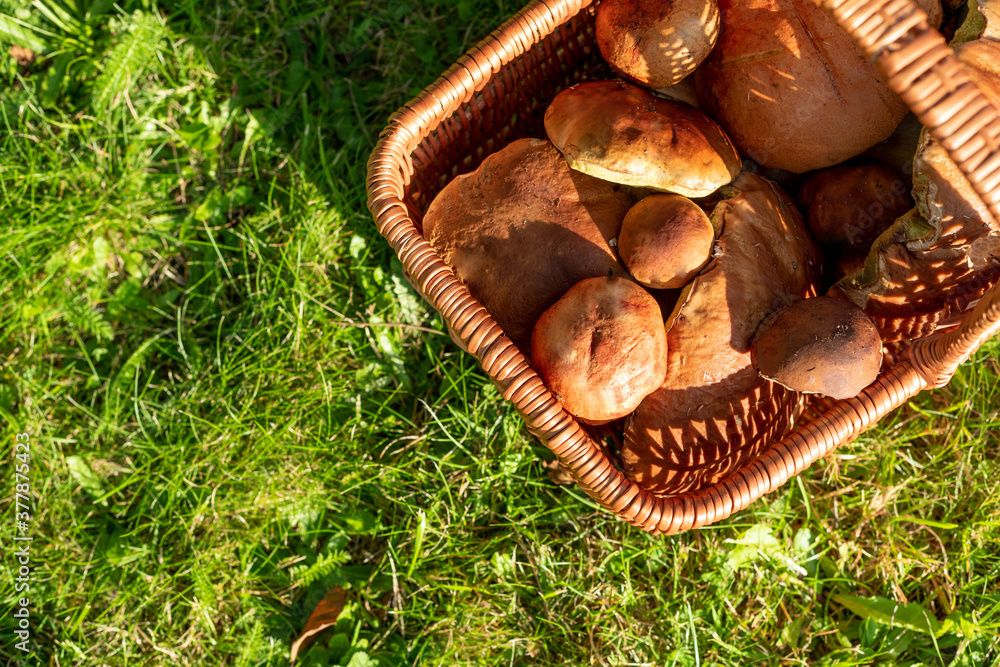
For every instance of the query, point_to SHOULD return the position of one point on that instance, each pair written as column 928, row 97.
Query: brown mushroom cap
column 656, row 44
column 601, row 348
column 713, row 411
column 626, row 134
column 792, row 89
column 524, row 228
column 852, row 205
column 665, row 240
column 819, row 346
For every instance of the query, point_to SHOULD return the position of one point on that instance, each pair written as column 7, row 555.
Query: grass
column 235, row 401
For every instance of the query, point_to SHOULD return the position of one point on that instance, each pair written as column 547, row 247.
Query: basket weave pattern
column 498, row 92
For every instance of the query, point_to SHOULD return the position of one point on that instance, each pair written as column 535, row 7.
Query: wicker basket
column 498, row 92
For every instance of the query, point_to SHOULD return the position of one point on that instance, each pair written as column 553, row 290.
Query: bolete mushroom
column 656, row 44
column 819, row 346
column 853, row 205
column 792, row 89
column 601, row 348
column 713, row 411
column 524, row 228
column 628, row 135
column 665, row 240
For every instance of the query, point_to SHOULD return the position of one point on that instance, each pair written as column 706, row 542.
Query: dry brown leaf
column 24, row 56
column 323, row 616
column 558, row 473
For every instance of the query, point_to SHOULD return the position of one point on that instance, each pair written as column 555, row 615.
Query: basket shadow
column 695, row 449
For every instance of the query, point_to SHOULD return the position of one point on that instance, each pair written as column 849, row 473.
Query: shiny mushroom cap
column 823, row 346
column 601, row 348
column 853, row 205
column 792, row 89
column 626, row 134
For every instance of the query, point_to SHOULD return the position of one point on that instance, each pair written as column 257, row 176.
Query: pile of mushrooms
column 679, row 298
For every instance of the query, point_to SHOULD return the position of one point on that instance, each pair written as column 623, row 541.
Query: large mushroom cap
column 792, row 89
column 713, row 411
column 601, row 348
column 626, row 134
column 656, row 44
column 665, row 240
column 819, row 346
column 524, row 228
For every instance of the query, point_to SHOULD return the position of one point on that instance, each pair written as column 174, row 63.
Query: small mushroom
column 628, row 135
column 823, row 346
column 656, row 44
column 601, row 348
column 665, row 240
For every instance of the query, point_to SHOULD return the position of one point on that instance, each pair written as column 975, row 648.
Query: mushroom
column 823, row 346
column 523, row 229
column 683, row 91
column 713, row 411
column 853, row 205
column 792, row 89
column 656, row 44
column 626, row 134
column 665, row 240
column 601, row 348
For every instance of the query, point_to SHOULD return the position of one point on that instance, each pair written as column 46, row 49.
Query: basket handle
column 924, row 71
column 937, row 357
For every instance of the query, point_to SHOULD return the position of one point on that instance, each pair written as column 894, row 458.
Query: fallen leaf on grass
column 323, row 616
column 558, row 473
column 23, row 56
